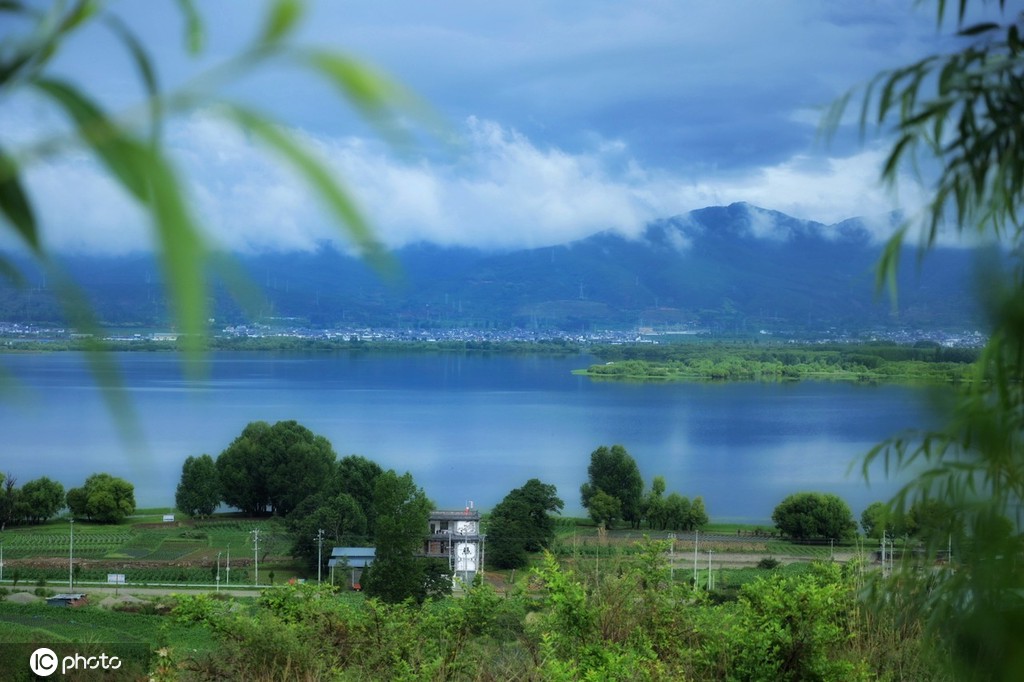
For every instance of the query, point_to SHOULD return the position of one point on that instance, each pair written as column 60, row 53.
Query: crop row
column 19, row 540
column 58, row 576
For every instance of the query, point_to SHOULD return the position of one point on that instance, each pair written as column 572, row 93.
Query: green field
column 147, row 550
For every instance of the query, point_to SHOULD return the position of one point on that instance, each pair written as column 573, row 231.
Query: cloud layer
column 499, row 189
column 574, row 117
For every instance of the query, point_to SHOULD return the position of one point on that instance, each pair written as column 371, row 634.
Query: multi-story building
column 455, row 536
column 451, row 535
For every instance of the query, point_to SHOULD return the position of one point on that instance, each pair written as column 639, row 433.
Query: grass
column 149, row 550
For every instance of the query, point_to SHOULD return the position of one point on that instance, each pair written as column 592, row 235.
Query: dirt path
column 750, row 559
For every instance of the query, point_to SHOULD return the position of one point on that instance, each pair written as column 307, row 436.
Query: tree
column 520, row 523
column 273, row 468
column 654, row 504
column 932, row 521
column 875, row 520
column 198, row 492
column 959, row 112
column 614, row 472
column 357, row 476
column 677, row 511
column 8, row 499
column 103, row 498
column 297, row 463
column 803, row 516
column 402, row 510
column 339, row 517
column 698, row 515
column 39, row 500
column 604, row 509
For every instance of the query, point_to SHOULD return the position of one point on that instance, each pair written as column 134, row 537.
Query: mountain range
column 736, row 268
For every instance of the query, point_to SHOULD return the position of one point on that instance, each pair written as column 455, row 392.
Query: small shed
column 353, row 558
column 70, row 599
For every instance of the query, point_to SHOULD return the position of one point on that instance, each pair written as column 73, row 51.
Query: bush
column 768, row 563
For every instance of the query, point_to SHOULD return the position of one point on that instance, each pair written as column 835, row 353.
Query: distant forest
column 923, row 361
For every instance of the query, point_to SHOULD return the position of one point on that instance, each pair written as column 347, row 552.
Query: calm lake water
column 468, row 427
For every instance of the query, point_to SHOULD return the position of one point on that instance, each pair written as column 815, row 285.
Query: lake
column 468, row 427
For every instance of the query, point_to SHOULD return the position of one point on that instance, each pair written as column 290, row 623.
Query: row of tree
column 286, row 470
column 811, row 515
column 33, row 502
column 614, row 491
column 521, row 523
column 102, row 498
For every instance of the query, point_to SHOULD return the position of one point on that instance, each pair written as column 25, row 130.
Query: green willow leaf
column 281, row 20
column 82, row 12
column 888, row 265
column 978, row 29
column 14, row 203
column 320, row 179
column 145, row 174
column 239, row 284
column 123, row 156
column 147, row 73
column 183, row 254
column 103, row 365
column 378, row 98
column 11, row 273
column 195, row 34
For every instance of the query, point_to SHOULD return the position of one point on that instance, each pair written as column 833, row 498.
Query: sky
column 560, row 119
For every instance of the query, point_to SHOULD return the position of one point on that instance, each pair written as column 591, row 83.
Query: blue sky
column 573, row 116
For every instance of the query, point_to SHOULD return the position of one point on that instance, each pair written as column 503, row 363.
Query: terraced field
column 146, row 550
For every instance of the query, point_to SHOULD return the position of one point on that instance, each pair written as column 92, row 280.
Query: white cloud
column 499, row 190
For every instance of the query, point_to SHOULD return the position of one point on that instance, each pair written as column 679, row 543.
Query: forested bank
column 288, row 343
column 924, row 362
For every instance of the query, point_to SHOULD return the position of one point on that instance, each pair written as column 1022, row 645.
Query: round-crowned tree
column 521, row 523
column 198, row 492
column 614, row 473
column 803, row 516
column 103, row 498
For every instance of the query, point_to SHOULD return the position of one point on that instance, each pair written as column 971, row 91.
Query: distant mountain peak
column 726, row 268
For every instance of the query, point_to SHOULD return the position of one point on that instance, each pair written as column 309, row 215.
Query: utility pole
column 256, row 554
column 696, row 534
column 672, row 559
column 71, row 558
column 227, row 578
column 218, row 572
column 319, row 552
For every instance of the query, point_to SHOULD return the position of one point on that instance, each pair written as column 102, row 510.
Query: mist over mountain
column 726, row 269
